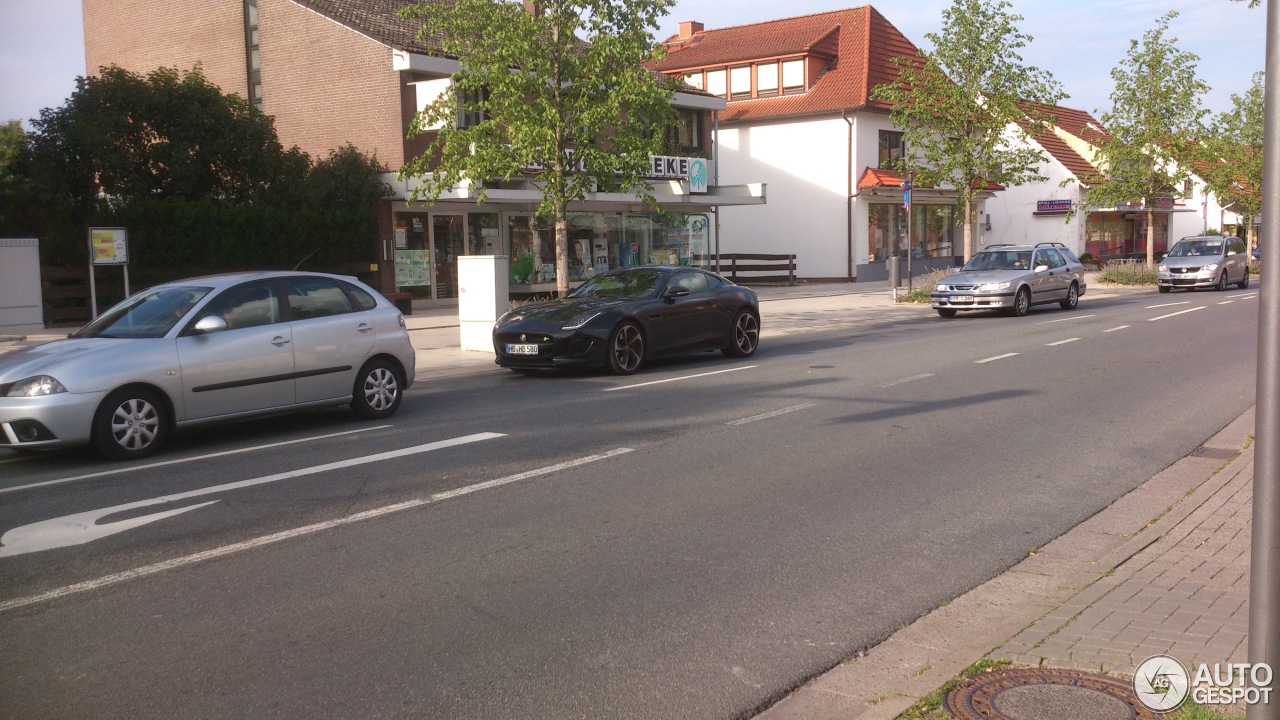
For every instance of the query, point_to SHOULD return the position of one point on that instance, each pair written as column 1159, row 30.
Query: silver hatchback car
column 1204, row 262
column 203, row 350
column 1012, row 278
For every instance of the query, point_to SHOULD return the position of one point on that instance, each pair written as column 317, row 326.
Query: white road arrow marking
column 84, row 527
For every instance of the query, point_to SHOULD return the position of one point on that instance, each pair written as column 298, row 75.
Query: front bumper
column 977, row 301
column 49, row 421
column 1192, row 280
column 554, row 350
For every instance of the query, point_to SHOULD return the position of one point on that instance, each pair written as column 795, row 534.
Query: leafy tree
column 16, row 211
column 1155, row 113
column 561, row 86
column 956, row 105
column 1230, row 156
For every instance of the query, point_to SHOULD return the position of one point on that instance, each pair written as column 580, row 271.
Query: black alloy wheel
column 947, row 312
column 746, row 335
column 1244, row 281
column 1073, row 298
column 378, row 390
column 1022, row 302
column 1222, row 282
column 1163, row 288
column 131, row 423
column 626, row 349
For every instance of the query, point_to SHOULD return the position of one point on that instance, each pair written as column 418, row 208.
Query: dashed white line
column 766, row 416
column 993, row 359
column 678, row 379
column 1180, row 312
column 1066, row 319
column 148, row 466
column 1121, row 327
column 1227, row 302
column 1061, row 342
column 904, row 381
column 295, row 532
column 1153, row 307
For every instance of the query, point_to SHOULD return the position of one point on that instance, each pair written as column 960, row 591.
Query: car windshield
column 999, row 260
column 1192, row 248
column 634, row 284
column 149, row 314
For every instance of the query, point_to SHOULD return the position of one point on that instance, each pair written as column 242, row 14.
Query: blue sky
column 42, row 43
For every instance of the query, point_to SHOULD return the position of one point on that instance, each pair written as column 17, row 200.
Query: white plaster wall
column 1013, row 218
column 21, row 300
column 804, row 164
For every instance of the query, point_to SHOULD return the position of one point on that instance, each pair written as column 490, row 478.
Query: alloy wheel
column 135, row 424
column 381, row 388
column 628, row 349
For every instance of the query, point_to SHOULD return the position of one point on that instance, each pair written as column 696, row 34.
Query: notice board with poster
column 413, row 268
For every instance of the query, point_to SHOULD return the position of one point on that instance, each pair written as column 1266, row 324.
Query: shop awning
column 672, row 195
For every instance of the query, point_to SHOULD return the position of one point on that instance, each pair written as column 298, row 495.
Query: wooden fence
column 758, row 269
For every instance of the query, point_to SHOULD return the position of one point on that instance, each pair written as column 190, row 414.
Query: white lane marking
column 766, row 416
column 1061, row 342
column 993, row 359
column 1248, row 295
column 80, row 528
column 148, row 466
column 678, row 379
column 1180, row 312
column 1183, row 302
column 1121, row 327
column 1066, row 319
column 289, row 534
column 1227, row 302
column 904, row 381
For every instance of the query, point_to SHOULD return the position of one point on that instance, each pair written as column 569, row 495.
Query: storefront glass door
column 448, row 236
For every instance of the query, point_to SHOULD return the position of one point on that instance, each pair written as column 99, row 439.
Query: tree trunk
column 1151, row 237
column 562, row 250
column 968, row 227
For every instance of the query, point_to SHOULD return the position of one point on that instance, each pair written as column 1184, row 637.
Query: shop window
column 793, row 76
column 716, row 82
column 684, row 135
column 892, row 149
column 740, row 82
column 483, row 235
column 767, row 79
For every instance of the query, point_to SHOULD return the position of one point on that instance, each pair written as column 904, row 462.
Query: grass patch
column 930, row 706
column 1128, row 272
column 923, row 287
column 1191, row 711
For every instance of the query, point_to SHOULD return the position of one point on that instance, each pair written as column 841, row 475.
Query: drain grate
column 1046, row 694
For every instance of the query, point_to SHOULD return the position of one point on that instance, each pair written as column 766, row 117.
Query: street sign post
column 107, row 246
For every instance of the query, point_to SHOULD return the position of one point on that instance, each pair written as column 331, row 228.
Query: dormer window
column 792, row 76
column 767, row 79
column 716, row 82
column 740, row 82
column 694, row 79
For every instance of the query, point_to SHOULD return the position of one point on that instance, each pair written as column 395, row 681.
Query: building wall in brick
column 142, row 35
column 327, row 85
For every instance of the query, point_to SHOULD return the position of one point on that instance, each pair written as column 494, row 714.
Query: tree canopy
column 1155, row 113
column 958, row 104
column 561, row 86
column 1229, row 156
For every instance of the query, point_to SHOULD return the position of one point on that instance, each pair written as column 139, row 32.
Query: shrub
column 1128, row 272
column 923, row 286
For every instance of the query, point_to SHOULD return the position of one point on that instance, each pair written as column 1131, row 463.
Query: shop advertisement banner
column 109, row 246
column 698, row 226
column 413, row 268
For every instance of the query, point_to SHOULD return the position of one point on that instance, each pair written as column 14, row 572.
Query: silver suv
column 1204, row 262
column 1012, row 277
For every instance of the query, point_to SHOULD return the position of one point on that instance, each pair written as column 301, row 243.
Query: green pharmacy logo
column 697, row 176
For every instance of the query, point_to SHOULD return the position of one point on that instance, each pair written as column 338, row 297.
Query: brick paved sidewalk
column 1185, row 595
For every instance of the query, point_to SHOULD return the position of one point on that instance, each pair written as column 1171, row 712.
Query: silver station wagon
column 1204, row 262
column 203, row 350
column 1012, row 278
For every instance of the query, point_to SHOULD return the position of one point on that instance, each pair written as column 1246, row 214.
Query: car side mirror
column 1041, row 268
column 209, row 324
column 675, row 292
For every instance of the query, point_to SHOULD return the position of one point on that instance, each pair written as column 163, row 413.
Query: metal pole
column 126, row 280
column 715, row 163
column 1264, row 564
column 910, row 210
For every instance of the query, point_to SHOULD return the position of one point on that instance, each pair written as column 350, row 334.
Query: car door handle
column 279, row 341
column 363, row 327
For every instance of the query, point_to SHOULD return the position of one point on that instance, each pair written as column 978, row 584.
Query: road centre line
column 1120, row 327
column 775, row 413
column 677, row 379
column 1227, row 302
column 294, row 533
column 904, row 381
column 148, row 466
column 1247, row 296
column 1061, row 342
column 993, row 359
column 1066, row 319
column 80, row 528
column 1180, row 312
column 1154, row 307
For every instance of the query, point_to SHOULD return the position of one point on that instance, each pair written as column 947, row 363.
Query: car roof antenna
column 308, row 257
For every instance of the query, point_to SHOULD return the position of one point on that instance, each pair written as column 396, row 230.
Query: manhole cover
column 1045, row 694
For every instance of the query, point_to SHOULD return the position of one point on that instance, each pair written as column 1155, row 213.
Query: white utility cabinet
column 484, row 294
column 21, row 298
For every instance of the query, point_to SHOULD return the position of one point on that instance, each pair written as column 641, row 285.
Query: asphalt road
column 689, row 542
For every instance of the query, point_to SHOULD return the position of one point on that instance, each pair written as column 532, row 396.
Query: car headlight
column 581, row 320
column 992, row 287
column 1209, row 268
column 1162, row 268
column 508, row 318
column 37, row 386
column 941, row 288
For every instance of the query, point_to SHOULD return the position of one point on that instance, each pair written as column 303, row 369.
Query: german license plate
column 961, row 299
column 522, row 349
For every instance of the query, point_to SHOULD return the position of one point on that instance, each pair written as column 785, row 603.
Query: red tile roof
column 865, row 43
column 881, row 178
column 1077, row 123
